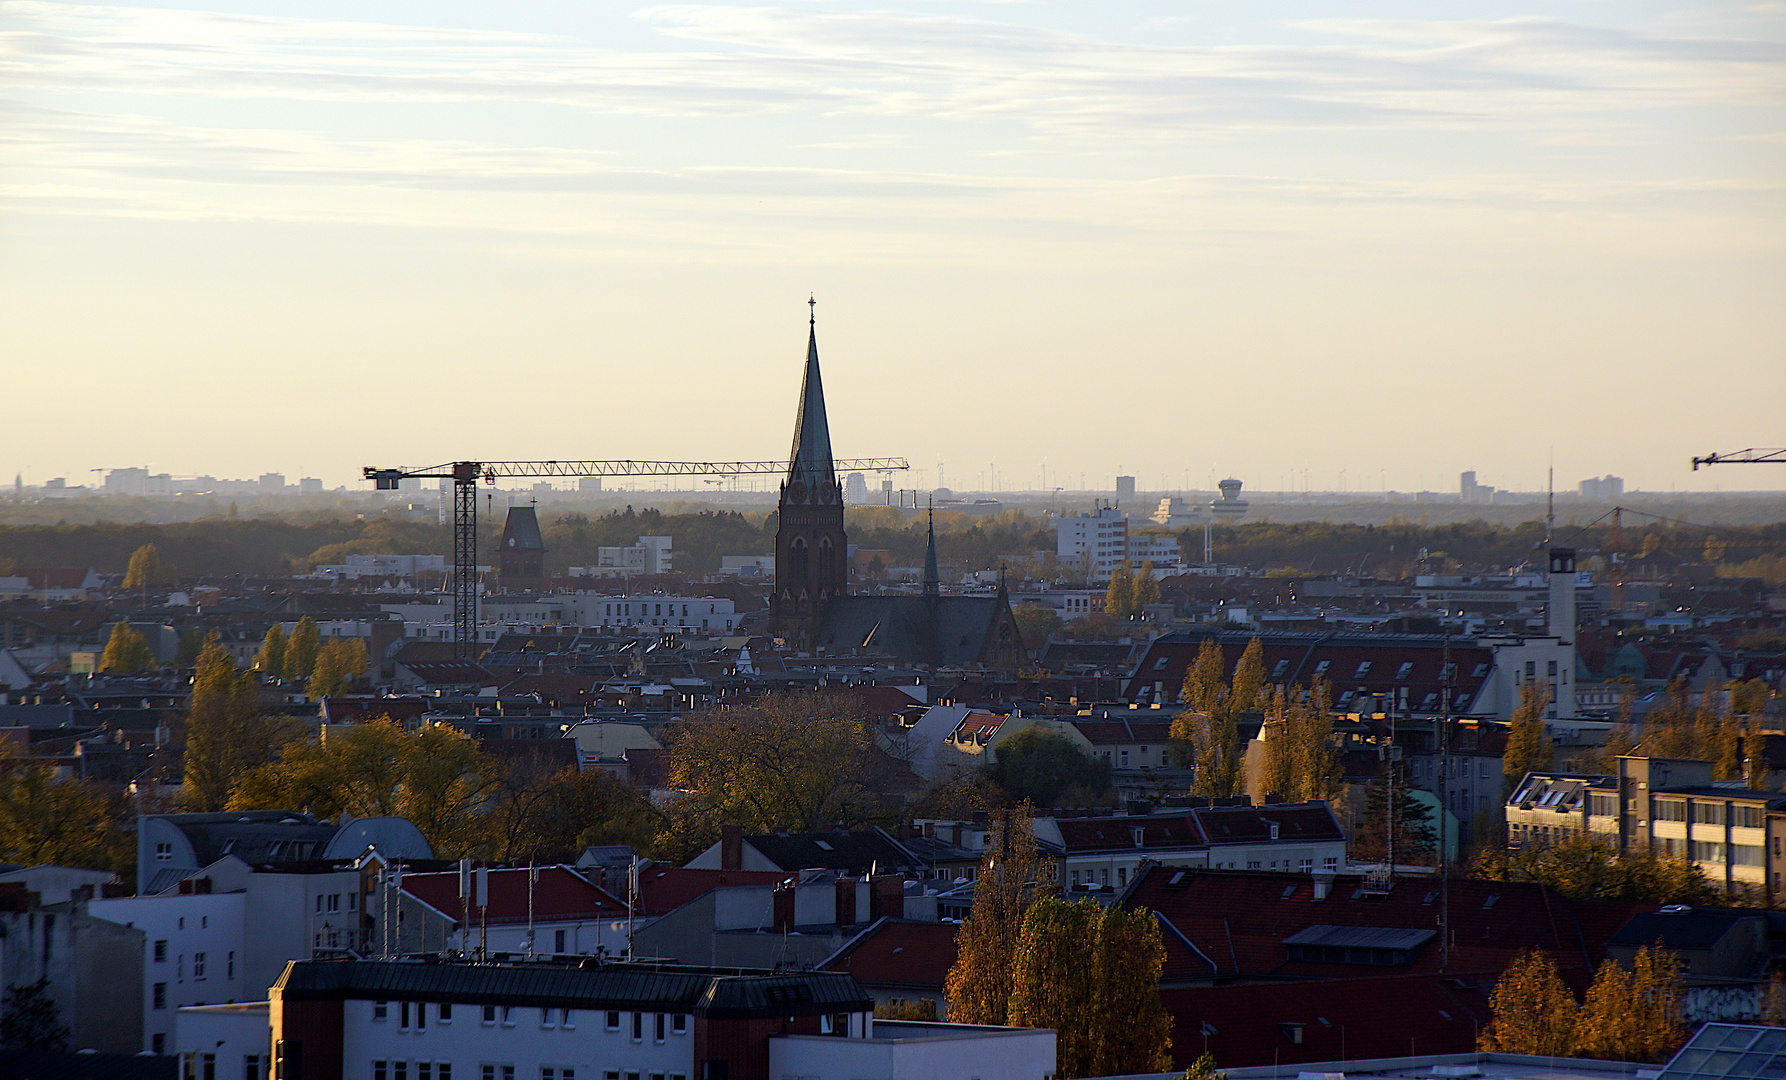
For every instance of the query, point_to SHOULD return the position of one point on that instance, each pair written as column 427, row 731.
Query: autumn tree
column 226, row 733
column 146, row 569
column 126, row 651
column 1584, row 867
column 48, row 821
column 1528, row 747
column 1037, row 622
column 1119, row 595
column 1754, row 756
column 192, row 643
column 1302, row 761
column 1146, row 588
column 545, row 815
column 1092, row 974
column 1012, row 875
column 271, row 658
column 1619, row 740
column 301, row 649
column 1208, row 730
column 30, row 1020
column 435, row 777
column 1632, row 1014
column 1533, row 1011
column 338, row 663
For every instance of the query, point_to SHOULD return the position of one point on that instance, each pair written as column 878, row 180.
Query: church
column 812, row 606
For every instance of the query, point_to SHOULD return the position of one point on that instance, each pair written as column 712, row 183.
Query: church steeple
column 932, row 579
column 810, row 459
column 810, row 545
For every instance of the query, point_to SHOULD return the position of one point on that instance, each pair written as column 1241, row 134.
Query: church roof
column 810, row 459
column 947, row 631
column 522, row 530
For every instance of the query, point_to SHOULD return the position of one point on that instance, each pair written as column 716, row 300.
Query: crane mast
column 465, row 476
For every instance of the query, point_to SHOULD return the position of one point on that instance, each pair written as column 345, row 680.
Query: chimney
column 731, row 847
column 846, row 900
column 784, row 908
column 1562, row 595
column 886, row 897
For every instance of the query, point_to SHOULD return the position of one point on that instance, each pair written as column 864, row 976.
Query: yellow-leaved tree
column 1119, row 595
column 271, row 658
column 1534, row 1013
column 1093, row 975
column 338, row 663
column 1012, row 874
column 1528, row 748
column 48, row 821
column 1634, row 1014
column 126, row 651
column 226, row 733
column 146, row 569
column 1208, row 730
column 301, row 649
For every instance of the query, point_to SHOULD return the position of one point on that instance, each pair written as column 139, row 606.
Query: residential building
column 195, row 949
column 651, row 611
column 1093, row 543
column 650, row 555
column 171, row 847
column 93, row 968
column 224, row 1042
column 531, row 911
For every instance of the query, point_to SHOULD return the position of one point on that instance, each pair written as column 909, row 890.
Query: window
column 546, row 1018
column 1747, row 855
column 1278, row 669
column 1364, row 668
column 161, row 952
column 334, row 901
column 380, row 1070
column 159, row 997
column 421, row 1015
column 164, row 853
column 251, row 1067
column 198, row 966
column 403, row 1014
column 443, row 1070
column 1708, row 813
column 1330, row 862
column 381, row 1010
column 1706, row 851
column 659, row 1035
column 446, row 1012
column 613, row 1021
column 508, row 1016
column 1406, row 669
column 567, row 1019
column 558, row 941
column 679, row 1024
column 638, row 1027
column 158, row 1043
column 490, row 1018
column 1321, row 668
column 231, row 972
column 424, row 1071
column 399, row 1070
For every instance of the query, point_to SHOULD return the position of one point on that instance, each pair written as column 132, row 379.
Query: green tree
column 126, row 651
column 271, row 658
column 537, row 814
column 1416, row 840
column 192, row 643
column 1038, row 766
column 1533, row 1011
column 1583, row 867
column 226, row 733
column 1528, row 747
column 1012, row 875
column 30, row 1020
column 1037, row 622
column 1119, row 595
column 1092, row 974
column 301, row 650
column 146, row 569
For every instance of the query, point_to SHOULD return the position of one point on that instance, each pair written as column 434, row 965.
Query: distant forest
column 266, row 545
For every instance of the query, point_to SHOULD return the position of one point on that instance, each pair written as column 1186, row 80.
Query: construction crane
column 466, row 474
column 1743, row 457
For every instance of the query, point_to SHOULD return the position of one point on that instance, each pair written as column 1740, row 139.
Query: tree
column 1093, row 974
column 1208, row 731
column 1036, row 765
column 543, row 815
column 48, row 821
column 1146, row 587
column 192, row 643
column 435, row 777
column 1632, row 1014
column 146, row 569
column 226, row 733
column 1534, row 1013
column 1302, row 762
column 126, row 651
column 31, row 1020
column 1012, row 875
column 1037, row 622
column 1249, row 679
column 338, row 663
column 301, row 649
column 271, row 658
column 797, row 761
column 1754, row 757
column 1584, row 867
column 1619, row 741
column 1119, row 595
column 1416, row 841
column 1528, row 747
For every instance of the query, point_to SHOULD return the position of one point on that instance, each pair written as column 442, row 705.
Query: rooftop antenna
column 1550, row 507
column 812, row 306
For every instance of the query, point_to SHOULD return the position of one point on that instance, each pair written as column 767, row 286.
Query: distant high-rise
column 855, row 489
column 1472, row 492
column 1230, row 506
column 1602, row 488
column 589, row 484
column 1125, row 487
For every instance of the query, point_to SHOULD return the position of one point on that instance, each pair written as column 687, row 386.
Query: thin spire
column 810, row 460
column 932, row 580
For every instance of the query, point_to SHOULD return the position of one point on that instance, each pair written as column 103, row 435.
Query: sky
column 1335, row 246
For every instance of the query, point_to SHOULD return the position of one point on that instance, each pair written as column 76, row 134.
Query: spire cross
column 812, row 304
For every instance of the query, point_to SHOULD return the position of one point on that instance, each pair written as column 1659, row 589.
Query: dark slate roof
column 947, row 631
column 1696, row 929
column 254, row 836
column 809, row 461
column 853, row 851
column 730, row 994
column 1252, row 824
column 522, row 530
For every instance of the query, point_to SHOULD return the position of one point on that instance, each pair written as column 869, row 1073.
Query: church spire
column 810, row 460
column 932, row 580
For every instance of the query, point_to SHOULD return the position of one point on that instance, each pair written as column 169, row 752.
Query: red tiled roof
column 561, row 894
column 1335, row 1020
column 976, row 724
column 666, row 888
column 1239, row 921
column 1252, row 824
column 897, row 953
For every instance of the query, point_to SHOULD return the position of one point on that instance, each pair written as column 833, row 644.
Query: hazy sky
column 1173, row 240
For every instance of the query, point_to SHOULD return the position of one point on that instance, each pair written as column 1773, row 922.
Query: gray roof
column 1361, row 937
column 809, row 461
column 646, row 988
column 522, row 530
column 855, row 851
column 947, row 631
column 254, row 836
column 1692, row 929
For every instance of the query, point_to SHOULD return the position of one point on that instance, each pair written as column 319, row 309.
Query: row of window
column 413, row 1015
column 1709, row 813
column 195, row 1066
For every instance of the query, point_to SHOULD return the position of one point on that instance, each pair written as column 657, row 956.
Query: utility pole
column 1444, row 830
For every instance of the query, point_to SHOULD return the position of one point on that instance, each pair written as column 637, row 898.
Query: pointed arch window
column 799, row 559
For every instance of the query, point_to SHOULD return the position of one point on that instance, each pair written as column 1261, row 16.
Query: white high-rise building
column 1094, row 542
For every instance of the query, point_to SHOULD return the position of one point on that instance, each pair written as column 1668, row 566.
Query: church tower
column 809, row 541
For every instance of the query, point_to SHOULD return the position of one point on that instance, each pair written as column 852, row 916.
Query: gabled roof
column 1253, row 824
column 1693, row 929
column 855, row 851
column 560, row 895
column 666, row 888
column 947, row 631
column 897, row 953
column 1083, row 836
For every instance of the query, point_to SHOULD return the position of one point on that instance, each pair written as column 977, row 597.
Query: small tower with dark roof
column 521, row 560
column 809, row 538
